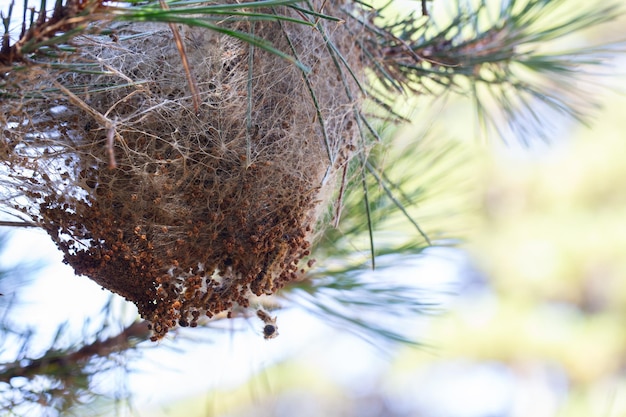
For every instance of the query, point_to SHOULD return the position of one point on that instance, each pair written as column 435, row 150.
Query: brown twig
column 17, row 224
column 127, row 338
column 195, row 94
column 110, row 145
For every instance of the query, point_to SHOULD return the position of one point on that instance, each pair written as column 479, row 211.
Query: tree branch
column 64, row 362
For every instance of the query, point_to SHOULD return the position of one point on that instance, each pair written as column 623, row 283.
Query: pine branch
column 49, row 38
column 7, row 223
column 60, row 379
column 62, row 365
column 503, row 58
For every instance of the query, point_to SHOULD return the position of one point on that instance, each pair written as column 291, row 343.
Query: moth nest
column 188, row 212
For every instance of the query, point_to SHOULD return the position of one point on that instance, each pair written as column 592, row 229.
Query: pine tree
column 212, row 161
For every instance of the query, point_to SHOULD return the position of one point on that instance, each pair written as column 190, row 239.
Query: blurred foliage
column 66, row 376
column 552, row 243
column 544, row 294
